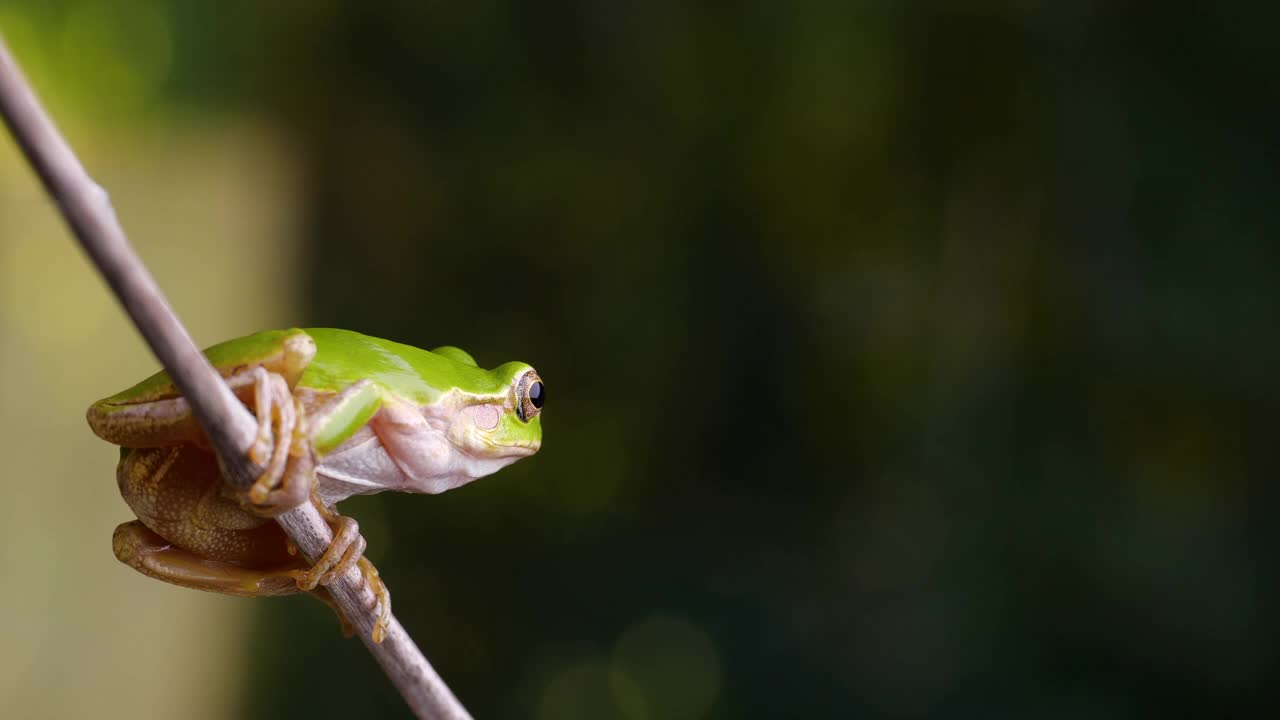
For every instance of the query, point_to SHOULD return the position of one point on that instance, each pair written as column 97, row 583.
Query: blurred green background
column 905, row 360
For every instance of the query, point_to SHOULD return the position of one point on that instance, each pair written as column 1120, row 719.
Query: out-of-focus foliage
column 904, row 361
column 84, row 636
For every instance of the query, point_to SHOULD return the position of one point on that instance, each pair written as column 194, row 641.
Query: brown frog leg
column 153, row 556
column 347, row 547
column 195, row 532
column 162, row 417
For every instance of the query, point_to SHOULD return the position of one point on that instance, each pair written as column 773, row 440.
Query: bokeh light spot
column 665, row 668
column 579, row 692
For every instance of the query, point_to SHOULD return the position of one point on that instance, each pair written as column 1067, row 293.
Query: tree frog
column 339, row 414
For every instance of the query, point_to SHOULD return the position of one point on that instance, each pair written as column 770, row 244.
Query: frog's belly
column 359, row 466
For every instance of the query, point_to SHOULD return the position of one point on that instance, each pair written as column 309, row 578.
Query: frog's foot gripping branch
column 150, row 554
column 383, row 603
column 281, row 447
column 347, row 550
column 284, row 447
column 370, row 573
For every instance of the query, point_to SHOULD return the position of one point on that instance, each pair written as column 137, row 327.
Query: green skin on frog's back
column 371, row 415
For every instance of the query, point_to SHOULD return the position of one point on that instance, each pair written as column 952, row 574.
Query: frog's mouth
column 512, row 450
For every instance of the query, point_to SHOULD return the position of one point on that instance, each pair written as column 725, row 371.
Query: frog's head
column 498, row 420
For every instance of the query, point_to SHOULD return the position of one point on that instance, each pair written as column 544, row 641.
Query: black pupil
column 537, row 395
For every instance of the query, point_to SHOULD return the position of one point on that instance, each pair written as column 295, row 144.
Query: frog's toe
column 382, row 604
column 292, row 490
column 347, row 547
column 278, row 414
column 345, row 552
column 381, row 596
column 353, row 554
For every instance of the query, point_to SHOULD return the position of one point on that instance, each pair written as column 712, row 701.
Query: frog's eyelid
column 519, row 390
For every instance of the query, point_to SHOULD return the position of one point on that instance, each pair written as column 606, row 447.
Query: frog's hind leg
column 160, row 417
column 179, row 494
column 153, row 556
column 192, row 531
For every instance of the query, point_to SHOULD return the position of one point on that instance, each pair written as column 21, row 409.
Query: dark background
column 920, row 357
column 902, row 361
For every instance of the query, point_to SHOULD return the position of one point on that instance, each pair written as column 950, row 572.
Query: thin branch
column 227, row 422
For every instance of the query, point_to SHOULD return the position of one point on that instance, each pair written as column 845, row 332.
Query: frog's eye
column 530, row 395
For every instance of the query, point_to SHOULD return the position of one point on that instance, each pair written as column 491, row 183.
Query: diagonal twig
column 230, row 427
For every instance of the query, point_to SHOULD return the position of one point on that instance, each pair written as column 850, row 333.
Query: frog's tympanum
column 339, row 414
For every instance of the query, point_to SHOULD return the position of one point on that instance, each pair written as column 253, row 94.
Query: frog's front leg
column 330, row 424
column 279, row 420
column 290, row 464
column 290, row 475
column 290, row 472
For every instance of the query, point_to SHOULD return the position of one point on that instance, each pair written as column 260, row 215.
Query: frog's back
column 344, row 357
column 228, row 357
